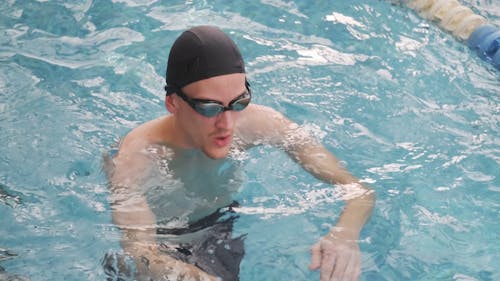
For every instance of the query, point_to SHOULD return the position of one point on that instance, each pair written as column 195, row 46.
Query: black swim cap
column 200, row 53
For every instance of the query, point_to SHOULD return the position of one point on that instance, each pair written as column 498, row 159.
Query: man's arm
column 137, row 224
column 337, row 254
column 132, row 214
column 359, row 198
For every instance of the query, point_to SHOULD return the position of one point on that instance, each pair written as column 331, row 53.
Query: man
column 208, row 97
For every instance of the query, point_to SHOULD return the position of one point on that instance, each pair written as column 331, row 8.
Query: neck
column 175, row 135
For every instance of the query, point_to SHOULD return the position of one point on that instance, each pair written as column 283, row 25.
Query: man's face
column 213, row 135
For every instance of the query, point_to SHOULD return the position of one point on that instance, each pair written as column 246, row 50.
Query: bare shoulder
column 258, row 108
column 132, row 162
column 261, row 123
column 143, row 136
column 261, row 115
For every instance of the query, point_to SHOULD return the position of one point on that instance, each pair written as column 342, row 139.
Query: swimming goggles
column 211, row 108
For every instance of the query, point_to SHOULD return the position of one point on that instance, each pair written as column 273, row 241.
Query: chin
column 217, row 153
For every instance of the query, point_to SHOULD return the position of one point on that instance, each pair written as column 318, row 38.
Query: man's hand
column 337, row 256
column 162, row 267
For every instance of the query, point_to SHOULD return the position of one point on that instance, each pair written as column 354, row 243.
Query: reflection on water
column 8, row 199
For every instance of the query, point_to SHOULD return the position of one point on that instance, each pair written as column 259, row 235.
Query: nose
column 225, row 120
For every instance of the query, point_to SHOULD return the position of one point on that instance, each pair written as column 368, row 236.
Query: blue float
column 490, row 45
column 485, row 40
column 479, row 34
column 496, row 59
column 461, row 20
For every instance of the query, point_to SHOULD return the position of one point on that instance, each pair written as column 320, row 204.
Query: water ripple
column 74, row 52
column 405, row 107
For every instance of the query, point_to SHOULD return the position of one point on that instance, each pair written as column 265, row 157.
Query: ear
column 170, row 104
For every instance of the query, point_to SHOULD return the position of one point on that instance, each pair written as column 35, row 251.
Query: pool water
column 409, row 110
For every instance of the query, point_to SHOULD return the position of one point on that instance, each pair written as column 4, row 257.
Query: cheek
column 197, row 123
column 236, row 115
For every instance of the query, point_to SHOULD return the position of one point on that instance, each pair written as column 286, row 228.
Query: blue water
column 409, row 109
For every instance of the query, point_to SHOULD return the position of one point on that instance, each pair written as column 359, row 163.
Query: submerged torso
column 186, row 185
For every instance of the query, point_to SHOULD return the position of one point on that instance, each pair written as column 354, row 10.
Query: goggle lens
column 209, row 108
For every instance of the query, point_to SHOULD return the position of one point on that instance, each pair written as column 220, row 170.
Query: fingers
column 353, row 269
column 327, row 266
column 315, row 257
column 348, row 268
column 322, row 260
column 340, row 269
column 336, row 263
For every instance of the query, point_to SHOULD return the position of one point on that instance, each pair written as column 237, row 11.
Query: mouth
column 222, row 141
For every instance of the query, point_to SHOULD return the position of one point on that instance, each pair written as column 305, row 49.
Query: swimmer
column 209, row 99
